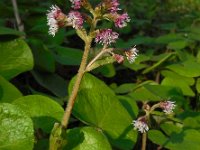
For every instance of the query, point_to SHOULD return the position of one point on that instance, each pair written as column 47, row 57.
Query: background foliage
column 36, row 70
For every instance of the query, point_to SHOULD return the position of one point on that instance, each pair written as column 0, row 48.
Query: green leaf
column 125, row 88
column 167, row 56
column 101, row 62
column 97, row 105
column 43, row 110
column 155, row 93
column 177, row 45
column 53, row 82
column 68, row 56
column 186, row 68
column 44, row 59
column 138, row 65
column 187, row 139
column 198, row 85
column 175, row 80
column 9, row 31
column 16, row 129
column 15, row 58
column 107, row 70
column 86, row 138
column 170, row 128
column 165, row 39
column 130, row 105
column 6, row 89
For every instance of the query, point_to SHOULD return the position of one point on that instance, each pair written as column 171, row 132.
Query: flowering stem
column 103, row 51
column 80, row 74
column 144, row 141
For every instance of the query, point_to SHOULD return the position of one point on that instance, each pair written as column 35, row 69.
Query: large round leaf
column 6, row 89
column 15, row 58
column 97, row 105
column 86, row 138
column 16, row 128
column 43, row 110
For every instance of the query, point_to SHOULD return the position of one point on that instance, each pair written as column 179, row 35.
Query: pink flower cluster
column 113, row 5
column 76, row 4
column 52, row 21
column 106, row 37
column 140, row 125
column 121, row 20
column 56, row 19
column 75, row 19
column 167, row 106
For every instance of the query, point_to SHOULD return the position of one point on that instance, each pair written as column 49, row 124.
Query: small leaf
column 125, row 88
column 198, row 85
column 9, row 31
column 186, row 68
column 53, row 82
column 175, row 80
column 186, row 139
column 6, row 89
column 101, row 62
column 158, row 63
column 177, row 45
column 165, row 39
column 155, row 93
column 86, row 138
column 16, row 129
column 107, row 70
column 44, row 60
column 68, row 56
column 15, row 58
column 43, row 110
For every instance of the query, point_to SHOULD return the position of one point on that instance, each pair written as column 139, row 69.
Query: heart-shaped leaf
column 97, row 105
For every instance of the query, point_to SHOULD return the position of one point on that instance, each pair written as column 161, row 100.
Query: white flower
column 140, row 125
column 51, row 19
column 167, row 106
column 131, row 54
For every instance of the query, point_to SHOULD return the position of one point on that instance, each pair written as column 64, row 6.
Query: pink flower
column 112, row 5
column 140, row 125
column 106, row 36
column 121, row 20
column 131, row 54
column 118, row 58
column 54, row 19
column 167, row 106
column 75, row 19
column 76, row 4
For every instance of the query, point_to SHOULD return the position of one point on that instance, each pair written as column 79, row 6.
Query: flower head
column 106, row 36
column 121, row 20
column 112, row 5
column 118, row 58
column 131, row 54
column 75, row 19
column 54, row 16
column 167, row 106
column 76, row 4
column 140, row 125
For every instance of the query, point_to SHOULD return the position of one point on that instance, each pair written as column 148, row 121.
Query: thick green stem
column 77, row 83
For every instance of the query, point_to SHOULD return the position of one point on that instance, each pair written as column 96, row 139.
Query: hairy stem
column 17, row 16
column 80, row 74
column 144, row 141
